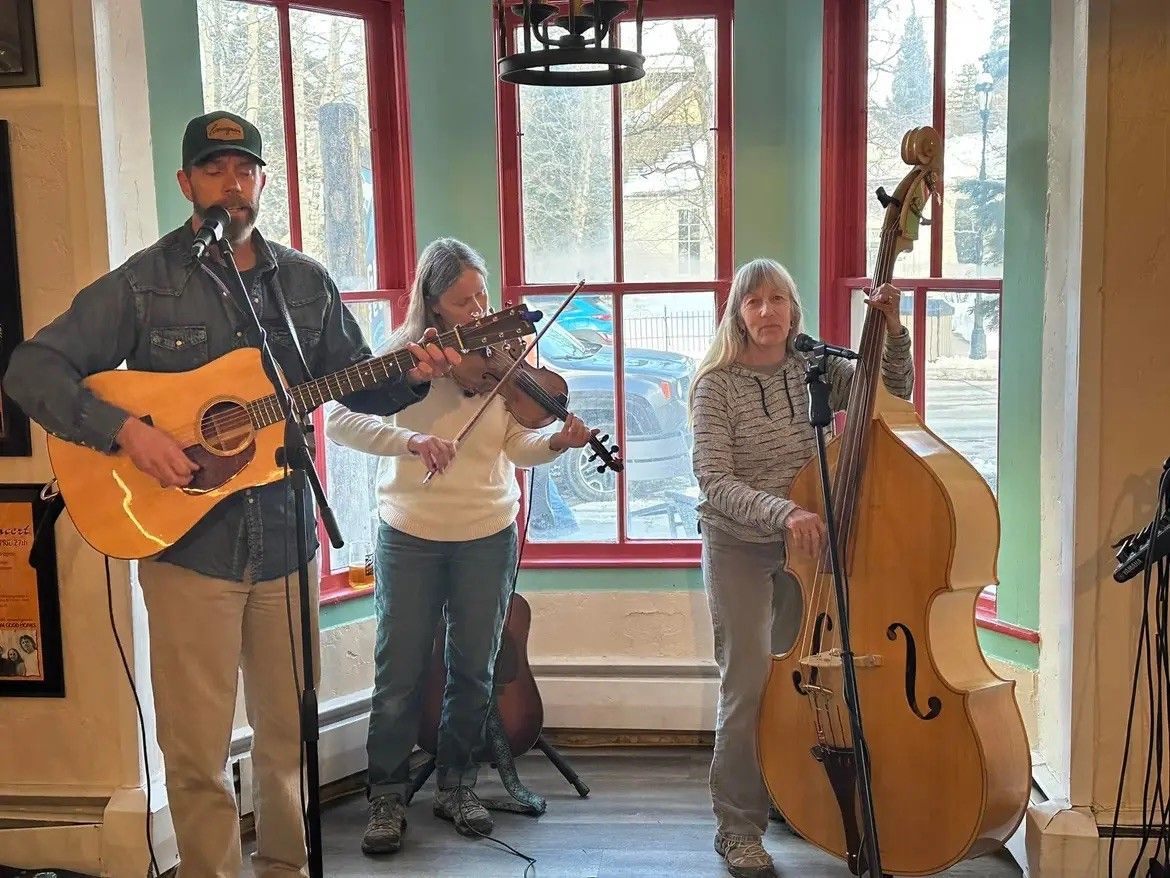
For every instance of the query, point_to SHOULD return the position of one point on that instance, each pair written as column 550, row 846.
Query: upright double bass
column 918, row 537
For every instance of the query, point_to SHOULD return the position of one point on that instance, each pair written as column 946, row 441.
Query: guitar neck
column 360, row 376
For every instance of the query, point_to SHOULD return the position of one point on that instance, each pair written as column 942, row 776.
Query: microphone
column 215, row 222
column 806, row 344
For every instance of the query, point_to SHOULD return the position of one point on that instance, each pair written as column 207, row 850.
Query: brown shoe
column 462, row 807
column 745, row 857
column 386, row 827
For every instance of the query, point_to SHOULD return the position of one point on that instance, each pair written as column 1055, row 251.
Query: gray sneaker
column 462, row 807
column 745, row 857
column 386, row 827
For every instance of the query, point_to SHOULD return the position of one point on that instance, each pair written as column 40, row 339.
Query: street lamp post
column 983, row 89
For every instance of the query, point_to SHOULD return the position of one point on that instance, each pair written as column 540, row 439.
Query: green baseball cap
column 217, row 132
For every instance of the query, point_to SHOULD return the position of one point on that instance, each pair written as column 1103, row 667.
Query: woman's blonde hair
column 731, row 334
column 440, row 265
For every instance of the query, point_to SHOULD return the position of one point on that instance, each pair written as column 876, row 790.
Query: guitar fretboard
column 360, row 376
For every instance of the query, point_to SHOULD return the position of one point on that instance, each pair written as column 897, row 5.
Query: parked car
column 656, row 386
column 590, row 318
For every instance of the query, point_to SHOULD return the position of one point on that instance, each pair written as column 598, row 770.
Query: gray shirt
column 157, row 314
column 752, row 436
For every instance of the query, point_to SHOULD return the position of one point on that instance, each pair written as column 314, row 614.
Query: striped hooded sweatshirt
column 752, row 436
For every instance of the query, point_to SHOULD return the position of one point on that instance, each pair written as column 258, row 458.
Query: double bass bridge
column 834, row 659
column 817, row 664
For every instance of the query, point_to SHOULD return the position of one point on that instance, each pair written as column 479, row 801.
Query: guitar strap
column 51, row 504
column 278, row 294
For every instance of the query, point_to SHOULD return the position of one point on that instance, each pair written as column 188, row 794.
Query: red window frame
column 385, row 28
column 843, row 227
column 625, row 552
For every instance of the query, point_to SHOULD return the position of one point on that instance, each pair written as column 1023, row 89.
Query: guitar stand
column 562, row 766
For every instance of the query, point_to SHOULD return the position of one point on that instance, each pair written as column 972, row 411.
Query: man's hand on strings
column 156, row 453
column 433, row 361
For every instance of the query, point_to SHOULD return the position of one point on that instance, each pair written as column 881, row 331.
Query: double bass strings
column 823, row 597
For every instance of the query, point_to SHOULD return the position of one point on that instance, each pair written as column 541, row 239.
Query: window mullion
column 290, row 128
column 938, row 221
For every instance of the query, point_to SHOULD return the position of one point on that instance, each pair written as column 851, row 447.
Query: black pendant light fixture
column 585, row 54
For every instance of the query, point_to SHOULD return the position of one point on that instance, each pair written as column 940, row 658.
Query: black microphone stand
column 820, row 415
column 298, row 459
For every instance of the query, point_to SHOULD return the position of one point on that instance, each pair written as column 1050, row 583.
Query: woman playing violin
column 749, row 407
column 449, row 542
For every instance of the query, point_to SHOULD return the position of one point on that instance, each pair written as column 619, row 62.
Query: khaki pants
column 756, row 610
column 203, row 631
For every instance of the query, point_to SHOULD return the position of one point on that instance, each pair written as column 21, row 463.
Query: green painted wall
column 176, row 96
column 453, row 124
column 777, row 124
column 777, row 93
column 1022, row 316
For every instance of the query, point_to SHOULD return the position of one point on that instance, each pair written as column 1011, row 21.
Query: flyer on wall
column 30, row 616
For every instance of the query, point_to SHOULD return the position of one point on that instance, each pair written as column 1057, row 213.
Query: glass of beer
column 361, row 566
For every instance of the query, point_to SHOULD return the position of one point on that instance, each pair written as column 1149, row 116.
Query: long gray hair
column 731, row 335
column 440, row 265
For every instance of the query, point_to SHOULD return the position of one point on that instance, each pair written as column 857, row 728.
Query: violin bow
column 516, row 362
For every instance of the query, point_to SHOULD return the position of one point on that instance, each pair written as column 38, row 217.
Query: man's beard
column 239, row 227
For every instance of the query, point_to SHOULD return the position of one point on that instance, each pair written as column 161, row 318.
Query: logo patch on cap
column 224, row 129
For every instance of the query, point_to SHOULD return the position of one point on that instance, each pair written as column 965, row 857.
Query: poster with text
column 30, row 635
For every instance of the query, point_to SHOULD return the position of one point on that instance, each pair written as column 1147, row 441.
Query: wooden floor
column 648, row 815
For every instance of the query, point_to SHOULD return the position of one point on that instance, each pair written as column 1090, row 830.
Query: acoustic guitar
column 229, row 422
column 518, row 701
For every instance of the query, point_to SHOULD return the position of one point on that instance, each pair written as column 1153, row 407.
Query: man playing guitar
column 217, row 599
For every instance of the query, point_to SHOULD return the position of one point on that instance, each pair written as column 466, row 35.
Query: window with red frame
column 901, row 64
column 324, row 83
column 926, row 62
column 627, row 187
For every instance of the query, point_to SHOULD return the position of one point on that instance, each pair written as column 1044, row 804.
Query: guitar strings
column 262, row 412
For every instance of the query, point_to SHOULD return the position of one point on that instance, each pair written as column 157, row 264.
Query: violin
column 535, row 395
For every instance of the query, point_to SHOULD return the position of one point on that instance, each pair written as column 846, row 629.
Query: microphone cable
column 1154, row 651
column 141, row 721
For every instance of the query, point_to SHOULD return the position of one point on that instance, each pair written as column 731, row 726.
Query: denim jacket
column 160, row 312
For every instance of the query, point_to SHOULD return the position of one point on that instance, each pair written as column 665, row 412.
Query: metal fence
column 680, row 332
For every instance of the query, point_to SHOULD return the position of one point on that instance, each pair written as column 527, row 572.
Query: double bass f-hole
column 824, row 623
column 932, row 702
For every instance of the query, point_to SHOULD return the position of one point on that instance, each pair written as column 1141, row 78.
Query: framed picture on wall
column 15, row 439
column 18, row 45
column 30, row 610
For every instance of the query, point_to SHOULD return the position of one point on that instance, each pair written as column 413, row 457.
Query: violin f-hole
column 932, row 702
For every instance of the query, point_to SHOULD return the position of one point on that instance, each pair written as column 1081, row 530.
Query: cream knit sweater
column 477, row 495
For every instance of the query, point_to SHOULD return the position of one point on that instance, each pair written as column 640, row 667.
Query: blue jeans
column 415, row 579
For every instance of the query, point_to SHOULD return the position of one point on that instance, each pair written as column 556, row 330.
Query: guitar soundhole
column 225, row 428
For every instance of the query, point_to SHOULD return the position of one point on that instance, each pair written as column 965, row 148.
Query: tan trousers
column 756, row 611
column 203, row 631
